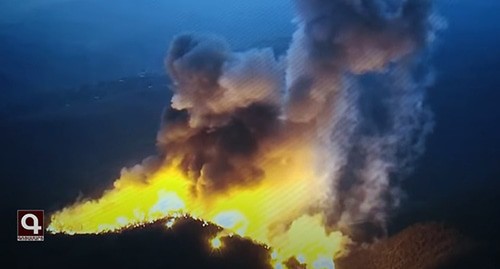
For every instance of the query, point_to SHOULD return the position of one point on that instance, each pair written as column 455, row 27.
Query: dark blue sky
column 62, row 43
column 52, row 44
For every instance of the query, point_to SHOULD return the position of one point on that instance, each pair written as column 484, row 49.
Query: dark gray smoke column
column 357, row 70
column 352, row 88
column 225, row 104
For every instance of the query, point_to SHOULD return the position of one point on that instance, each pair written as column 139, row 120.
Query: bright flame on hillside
column 269, row 213
column 282, row 150
column 216, row 243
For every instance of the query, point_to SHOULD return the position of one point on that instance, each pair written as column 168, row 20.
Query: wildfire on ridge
column 283, row 150
column 269, row 213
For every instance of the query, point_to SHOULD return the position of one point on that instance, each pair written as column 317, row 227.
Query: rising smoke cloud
column 224, row 105
column 292, row 152
column 358, row 70
column 353, row 80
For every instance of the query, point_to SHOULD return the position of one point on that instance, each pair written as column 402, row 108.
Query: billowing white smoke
column 225, row 105
column 212, row 82
column 357, row 69
column 354, row 79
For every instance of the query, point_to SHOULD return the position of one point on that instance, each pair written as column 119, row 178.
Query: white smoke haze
column 353, row 81
column 211, row 81
column 342, row 114
column 357, row 69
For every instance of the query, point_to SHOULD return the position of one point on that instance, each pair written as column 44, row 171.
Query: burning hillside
column 291, row 152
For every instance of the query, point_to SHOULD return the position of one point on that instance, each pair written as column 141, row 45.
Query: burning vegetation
column 288, row 152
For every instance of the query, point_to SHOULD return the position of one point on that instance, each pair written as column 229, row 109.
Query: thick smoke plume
column 225, row 105
column 357, row 71
column 302, row 153
column 352, row 86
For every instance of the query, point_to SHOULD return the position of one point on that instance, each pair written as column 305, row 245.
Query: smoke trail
column 355, row 83
column 357, row 70
column 224, row 105
column 286, row 151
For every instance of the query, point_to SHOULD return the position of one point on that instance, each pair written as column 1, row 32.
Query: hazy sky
column 54, row 43
column 235, row 18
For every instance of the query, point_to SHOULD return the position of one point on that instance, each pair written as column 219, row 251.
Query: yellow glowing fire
column 272, row 212
column 216, row 242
